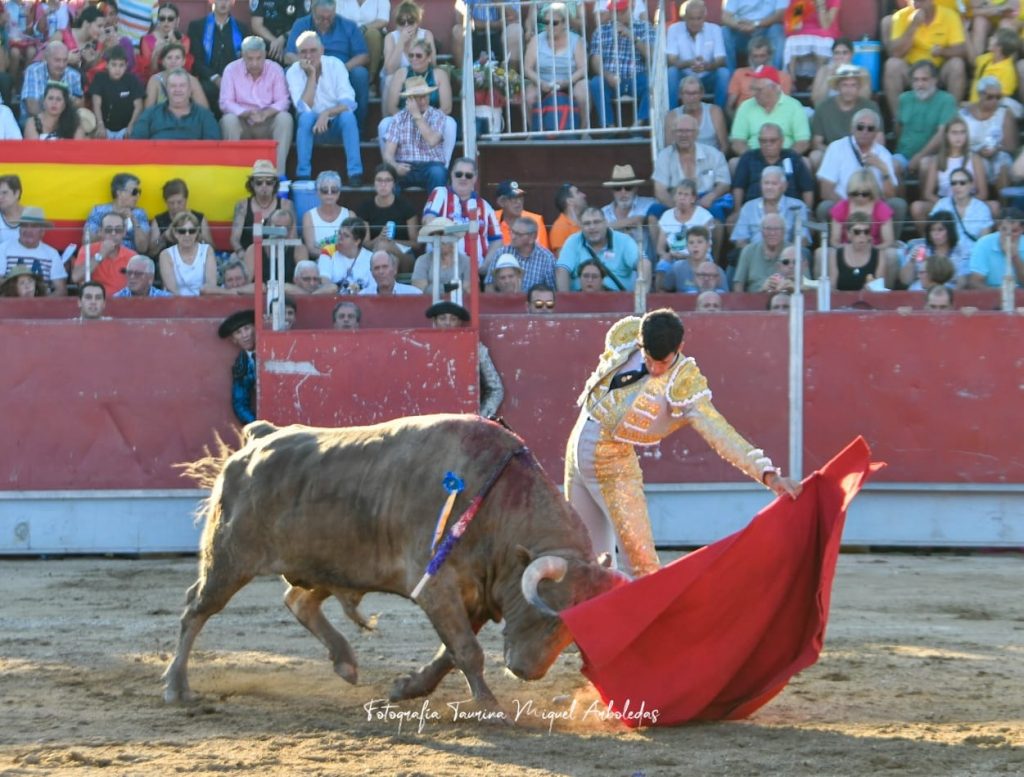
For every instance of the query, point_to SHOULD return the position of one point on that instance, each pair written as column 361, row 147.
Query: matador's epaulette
column 686, row 385
column 623, row 334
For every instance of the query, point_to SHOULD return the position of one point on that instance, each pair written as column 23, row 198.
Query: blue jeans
column 738, row 41
column 715, row 82
column 601, row 97
column 341, row 128
column 428, row 175
column 359, row 77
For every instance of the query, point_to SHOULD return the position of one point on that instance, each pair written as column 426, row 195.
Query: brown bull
column 346, row 511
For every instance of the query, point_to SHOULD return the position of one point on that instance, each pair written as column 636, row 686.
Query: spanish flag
column 67, row 178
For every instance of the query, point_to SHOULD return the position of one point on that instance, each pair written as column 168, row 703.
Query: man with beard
column 921, row 117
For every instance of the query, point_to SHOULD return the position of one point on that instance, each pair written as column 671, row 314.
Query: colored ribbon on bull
column 454, row 485
column 460, row 526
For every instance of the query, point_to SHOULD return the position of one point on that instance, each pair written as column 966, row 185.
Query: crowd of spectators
column 901, row 180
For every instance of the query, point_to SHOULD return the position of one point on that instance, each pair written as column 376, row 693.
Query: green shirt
column 919, row 119
column 788, row 113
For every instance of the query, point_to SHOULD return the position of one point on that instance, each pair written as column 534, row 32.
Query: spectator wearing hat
column 769, row 104
column 925, row 30
column 540, row 299
column 448, row 315
column 570, row 201
column 627, row 210
column 922, row 112
column 741, row 87
column 139, row 276
column 536, row 262
column 619, row 53
column 616, row 251
column 240, row 327
column 178, row 118
column 695, row 47
column 510, row 198
column 507, row 277
column 20, row 281
column 263, row 200
column 254, row 100
column 742, row 20
column 27, row 249
column 832, row 117
column 414, row 139
column 347, row 316
column 107, row 258
column 384, row 268
column 92, row 301
column 325, row 103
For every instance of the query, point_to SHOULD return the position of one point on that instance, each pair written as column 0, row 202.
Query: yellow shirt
column 945, row 30
column 1004, row 70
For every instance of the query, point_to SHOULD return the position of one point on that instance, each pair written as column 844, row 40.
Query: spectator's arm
column 562, row 279
column 167, row 272
column 661, row 194
column 237, row 222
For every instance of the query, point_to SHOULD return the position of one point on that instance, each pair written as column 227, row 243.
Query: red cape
column 718, row 633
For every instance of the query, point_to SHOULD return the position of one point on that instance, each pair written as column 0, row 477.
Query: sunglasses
column 960, row 182
column 405, row 22
column 417, row 55
column 866, row 128
column 134, row 192
column 167, row 18
column 331, row 190
column 113, row 230
column 186, row 230
column 785, row 262
column 264, row 181
column 554, row 22
column 463, row 174
column 860, row 193
column 623, row 188
column 860, row 231
column 993, row 97
column 544, row 303
column 590, row 276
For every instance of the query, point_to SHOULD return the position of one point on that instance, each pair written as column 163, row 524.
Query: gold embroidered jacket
column 652, row 408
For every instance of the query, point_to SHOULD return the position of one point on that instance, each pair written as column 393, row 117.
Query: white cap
column 507, row 260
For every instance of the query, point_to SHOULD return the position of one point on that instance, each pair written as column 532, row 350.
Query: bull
column 347, row 511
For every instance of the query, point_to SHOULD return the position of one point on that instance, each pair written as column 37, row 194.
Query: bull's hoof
column 408, row 687
column 347, row 672
column 179, row 696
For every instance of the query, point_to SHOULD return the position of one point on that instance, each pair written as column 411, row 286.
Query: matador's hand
column 781, row 486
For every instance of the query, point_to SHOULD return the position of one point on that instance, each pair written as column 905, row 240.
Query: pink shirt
column 879, row 215
column 240, row 92
column 812, row 25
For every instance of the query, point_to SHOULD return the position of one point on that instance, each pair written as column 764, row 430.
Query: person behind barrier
column 536, row 262
column 695, row 47
column 240, row 327
column 340, row 39
column 615, row 250
column 234, row 276
column 973, row 217
column 922, row 112
column 555, row 64
column 27, row 249
column 448, row 315
column 708, row 302
column 643, row 389
column 139, row 276
column 108, row 257
column 347, row 316
column 925, row 30
column 179, row 118
column 384, row 268
column 92, row 301
column 22, row 283
column 414, row 140
column 857, row 262
column 325, row 102
column 216, row 42
column 1000, row 254
column 779, row 303
column 760, row 259
column 507, row 276
column 784, row 279
column 570, row 201
column 496, row 32
column 619, row 53
column 591, row 277
column 540, row 299
column 939, row 298
column 307, row 280
column 254, row 100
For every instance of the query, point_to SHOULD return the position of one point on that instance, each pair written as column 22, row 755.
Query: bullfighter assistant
column 644, row 389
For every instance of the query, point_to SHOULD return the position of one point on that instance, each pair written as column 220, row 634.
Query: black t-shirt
column 279, row 15
column 118, row 98
column 400, row 211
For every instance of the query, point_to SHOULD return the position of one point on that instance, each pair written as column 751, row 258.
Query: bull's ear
column 605, row 560
column 523, row 555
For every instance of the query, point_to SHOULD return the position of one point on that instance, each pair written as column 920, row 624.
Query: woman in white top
column 674, row 222
column 320, row 224
column 188, row 268
column 954, row 154
column 972, row 216
column 993, row 131
column 398, row 43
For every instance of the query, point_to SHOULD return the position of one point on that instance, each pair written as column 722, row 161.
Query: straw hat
column 16, row 272
column 33, row 217
column 848, row 71
column 437, row 227
column 623, row 175
column 263, row 167
column 417, row 86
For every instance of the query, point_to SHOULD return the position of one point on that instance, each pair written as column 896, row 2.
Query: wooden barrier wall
column 113, row 404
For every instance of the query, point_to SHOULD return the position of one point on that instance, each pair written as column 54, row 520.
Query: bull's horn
column 543, row 568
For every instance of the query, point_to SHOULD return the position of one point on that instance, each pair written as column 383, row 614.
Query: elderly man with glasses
column 139, row 276
column 746, row 181
column 536, row 262
column 860, row 149
column 762, row 259
column 616, row 252
column 107, row 258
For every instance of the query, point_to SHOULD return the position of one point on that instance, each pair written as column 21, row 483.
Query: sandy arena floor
column 922, row 674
